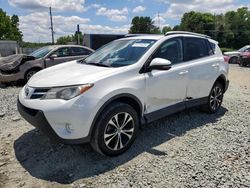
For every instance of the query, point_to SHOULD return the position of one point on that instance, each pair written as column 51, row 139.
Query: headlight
column 66, row 93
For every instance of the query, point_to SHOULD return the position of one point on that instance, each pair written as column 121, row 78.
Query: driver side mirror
column 53, row 56
column 160, row 64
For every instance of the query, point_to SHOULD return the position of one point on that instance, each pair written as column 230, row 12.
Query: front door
column 59, row 56
column 167, row 88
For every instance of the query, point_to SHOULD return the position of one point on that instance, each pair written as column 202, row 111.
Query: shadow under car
column 65, row 164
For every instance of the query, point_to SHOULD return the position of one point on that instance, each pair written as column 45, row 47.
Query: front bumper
column 244, row 61
column 38, row 119
column 10, row 77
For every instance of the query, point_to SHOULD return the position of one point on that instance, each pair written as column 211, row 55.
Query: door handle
column 215, row 65
column 183, row 72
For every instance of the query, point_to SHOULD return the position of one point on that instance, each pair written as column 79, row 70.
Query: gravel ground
column 188, row 149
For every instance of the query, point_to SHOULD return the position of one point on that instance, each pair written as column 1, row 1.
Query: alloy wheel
column 216, row 98
column 30, row 74
column 119, row 131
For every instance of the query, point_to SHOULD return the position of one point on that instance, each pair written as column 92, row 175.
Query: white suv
column 104, row 98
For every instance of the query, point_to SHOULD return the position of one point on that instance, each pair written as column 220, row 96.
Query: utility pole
column 78, row 34
column 51, row 25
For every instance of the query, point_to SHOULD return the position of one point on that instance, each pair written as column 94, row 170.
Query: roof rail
column 186, row 32
column 141, row 34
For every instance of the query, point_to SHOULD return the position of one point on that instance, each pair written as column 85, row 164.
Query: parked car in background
column 233, row 57
column 104, row 98
column 244, row 59
column 23, row 67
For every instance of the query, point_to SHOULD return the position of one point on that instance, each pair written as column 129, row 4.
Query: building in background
column 8, row 47
column 95, row 41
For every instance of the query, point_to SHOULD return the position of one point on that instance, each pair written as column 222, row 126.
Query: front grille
column 39, row 93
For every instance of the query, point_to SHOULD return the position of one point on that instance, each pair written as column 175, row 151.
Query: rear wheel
column 115, row 129
column 215, row 98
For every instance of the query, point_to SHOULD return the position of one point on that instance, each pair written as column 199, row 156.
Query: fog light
column 69, row 128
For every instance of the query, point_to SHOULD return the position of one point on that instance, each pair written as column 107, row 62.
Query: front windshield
column 120, row 53
column 243, row 49
column 41, row 52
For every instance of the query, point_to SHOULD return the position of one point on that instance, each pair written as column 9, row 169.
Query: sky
column 104, row 16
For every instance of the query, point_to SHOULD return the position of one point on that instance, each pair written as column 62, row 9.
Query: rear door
column 203, row 66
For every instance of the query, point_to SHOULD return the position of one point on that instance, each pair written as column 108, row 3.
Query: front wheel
column 115, row 129
column 29, row 74
column 215, row 98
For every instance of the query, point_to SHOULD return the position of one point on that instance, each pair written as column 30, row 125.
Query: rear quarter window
column 213, row 46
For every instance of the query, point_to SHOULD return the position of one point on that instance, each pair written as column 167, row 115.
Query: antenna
column 51, row 25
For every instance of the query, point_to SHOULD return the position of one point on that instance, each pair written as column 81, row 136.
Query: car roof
column 68, row 45
column 142, row 36
column 168, row 34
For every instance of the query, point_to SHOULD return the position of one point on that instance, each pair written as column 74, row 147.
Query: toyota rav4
column 104, row 98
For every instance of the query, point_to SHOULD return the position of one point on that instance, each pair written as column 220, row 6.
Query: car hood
column 13, row 61
column 70, row 73
column 232, row 53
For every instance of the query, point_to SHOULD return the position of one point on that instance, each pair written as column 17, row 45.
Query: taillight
column 226, row 59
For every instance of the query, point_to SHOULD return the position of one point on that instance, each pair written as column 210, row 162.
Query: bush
column 227, row 49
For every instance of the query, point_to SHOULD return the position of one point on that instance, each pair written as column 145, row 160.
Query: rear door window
column 77, row 51
column 195, row 48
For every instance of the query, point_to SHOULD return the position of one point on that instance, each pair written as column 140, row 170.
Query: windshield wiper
column 81, row 61
column 97, row 64
column 93, row 63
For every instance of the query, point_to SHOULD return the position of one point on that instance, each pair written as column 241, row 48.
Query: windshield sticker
column 141, row 45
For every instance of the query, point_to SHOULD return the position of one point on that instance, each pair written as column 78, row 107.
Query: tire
column 29, row 74
column 233, row 60
column 111, row 136
column 215, row 98
column 242, row 64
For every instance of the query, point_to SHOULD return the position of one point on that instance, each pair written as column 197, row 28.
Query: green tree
column 198, row 22
column 69, row 38
column 65, row 39
column 16, row 33
column 9, row 27
column 166, row 29
column 177, row 28
column 143, row 25
column 231, row 29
